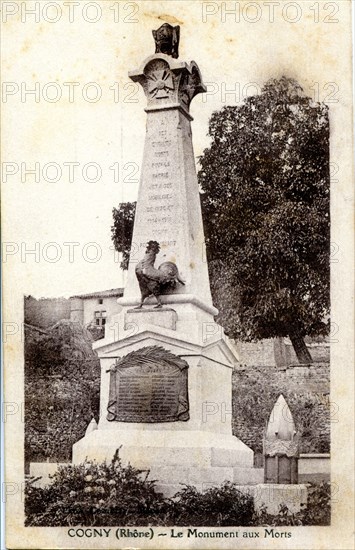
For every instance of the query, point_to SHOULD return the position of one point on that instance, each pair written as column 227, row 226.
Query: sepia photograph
column 178, row 232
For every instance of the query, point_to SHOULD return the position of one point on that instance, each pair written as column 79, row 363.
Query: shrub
column 57, row 413
column 103, row 494
column 94, row 494
column 318, row 507
column 317, row 511
column 217, row 506
column 62, row 385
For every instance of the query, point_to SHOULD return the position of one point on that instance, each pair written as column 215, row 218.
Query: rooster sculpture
column 154, row 281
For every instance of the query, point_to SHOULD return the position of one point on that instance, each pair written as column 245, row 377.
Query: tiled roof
column 101, row 294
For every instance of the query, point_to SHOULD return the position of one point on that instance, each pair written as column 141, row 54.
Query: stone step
column 204, row 478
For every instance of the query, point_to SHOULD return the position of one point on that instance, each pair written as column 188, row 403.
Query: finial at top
column 167, row 40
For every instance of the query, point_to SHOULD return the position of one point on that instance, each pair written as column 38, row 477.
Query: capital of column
column 168, row 83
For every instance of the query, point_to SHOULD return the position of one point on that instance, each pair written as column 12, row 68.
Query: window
column 100, row 318
column 101, row 301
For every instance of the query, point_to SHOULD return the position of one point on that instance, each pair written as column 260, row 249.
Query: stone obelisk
column 168, row 206
column 166, row 373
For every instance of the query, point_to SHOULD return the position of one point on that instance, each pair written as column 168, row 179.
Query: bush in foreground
column 217, row 506
column 317, row 511
column 92, row 494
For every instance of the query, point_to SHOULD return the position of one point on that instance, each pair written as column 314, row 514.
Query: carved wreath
column 149, row 355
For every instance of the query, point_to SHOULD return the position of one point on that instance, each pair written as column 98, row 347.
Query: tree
column 122, row 230
column 265, row 180
column 265, row 205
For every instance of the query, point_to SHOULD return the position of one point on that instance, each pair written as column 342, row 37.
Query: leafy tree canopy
column 265, row 203
column 265, row 183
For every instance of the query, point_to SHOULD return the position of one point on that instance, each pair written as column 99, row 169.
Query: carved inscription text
column 148, row 385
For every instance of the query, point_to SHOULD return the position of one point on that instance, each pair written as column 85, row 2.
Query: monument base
column 166, row 399
column 174, row 458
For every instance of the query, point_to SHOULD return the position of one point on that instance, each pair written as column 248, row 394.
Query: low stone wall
column 256, row 353
column 278, row 352
column 314, row 467
column 45, row 312
column 320, row 353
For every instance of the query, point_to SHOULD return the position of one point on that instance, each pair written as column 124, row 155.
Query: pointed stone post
column 281, row 451
column 281, row 446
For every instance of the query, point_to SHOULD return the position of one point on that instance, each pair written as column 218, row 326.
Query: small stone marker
column 281, row 446
column 281, row 452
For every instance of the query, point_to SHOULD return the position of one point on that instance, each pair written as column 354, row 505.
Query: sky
column 82, row 128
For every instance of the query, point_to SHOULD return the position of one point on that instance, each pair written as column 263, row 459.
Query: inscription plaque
column 148, row 385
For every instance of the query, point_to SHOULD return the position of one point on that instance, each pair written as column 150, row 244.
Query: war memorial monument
column 166, row 371
column 166, row 365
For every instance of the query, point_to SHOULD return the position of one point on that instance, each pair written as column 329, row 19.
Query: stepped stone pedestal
column 199, row 451
column 166, row 394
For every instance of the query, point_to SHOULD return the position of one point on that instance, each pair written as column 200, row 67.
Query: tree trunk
column 300, row 348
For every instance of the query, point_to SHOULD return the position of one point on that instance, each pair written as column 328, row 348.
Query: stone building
column 95, row 307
